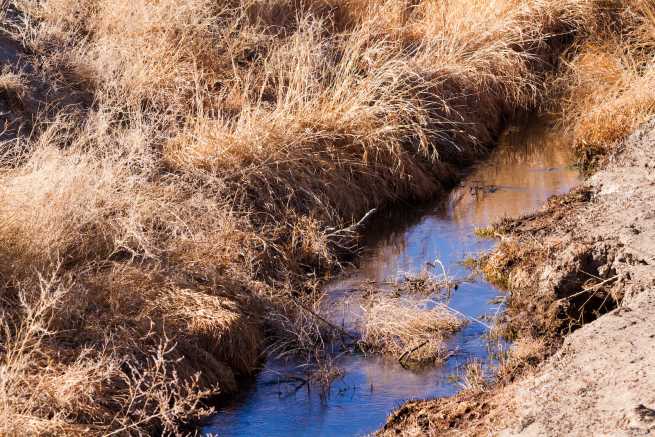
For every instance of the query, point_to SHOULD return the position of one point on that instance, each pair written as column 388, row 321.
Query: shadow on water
column 528, row 166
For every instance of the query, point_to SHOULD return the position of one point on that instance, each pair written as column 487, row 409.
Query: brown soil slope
column 588, row 259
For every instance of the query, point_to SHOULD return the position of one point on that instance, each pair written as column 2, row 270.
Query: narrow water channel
column 528, row 166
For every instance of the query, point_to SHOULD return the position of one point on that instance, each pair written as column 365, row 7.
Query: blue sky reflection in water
column 525, row 169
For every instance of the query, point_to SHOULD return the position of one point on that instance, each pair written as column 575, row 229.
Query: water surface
column 528, row 166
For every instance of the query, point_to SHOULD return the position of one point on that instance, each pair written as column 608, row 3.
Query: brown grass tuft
column 49, row 389
column 609, row 85
column 474, row 378
column 407, row 330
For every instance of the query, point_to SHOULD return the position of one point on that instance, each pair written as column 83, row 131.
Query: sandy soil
column 584, row 265
column 602, row 382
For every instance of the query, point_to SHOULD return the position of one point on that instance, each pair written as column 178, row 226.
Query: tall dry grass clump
column 609, row 85
column 86, row 389
column 407, row 330
column 186, row 170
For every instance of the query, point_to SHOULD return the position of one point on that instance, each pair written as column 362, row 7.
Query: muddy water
column 528, row 166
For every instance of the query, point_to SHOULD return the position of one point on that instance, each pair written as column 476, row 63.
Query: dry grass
column 609, row 85
column 39, row 395
column 12, row 85
column 425, row 284
column 187, row 164
column 522, row 357
column 407, row 330
column 474, row 377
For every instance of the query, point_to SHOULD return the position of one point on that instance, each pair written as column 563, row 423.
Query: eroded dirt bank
column 581, row 276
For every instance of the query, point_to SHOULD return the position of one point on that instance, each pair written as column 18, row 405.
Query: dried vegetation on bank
column 558, row 276
column 173, row 175
column 408, row 330
column 607, row 88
